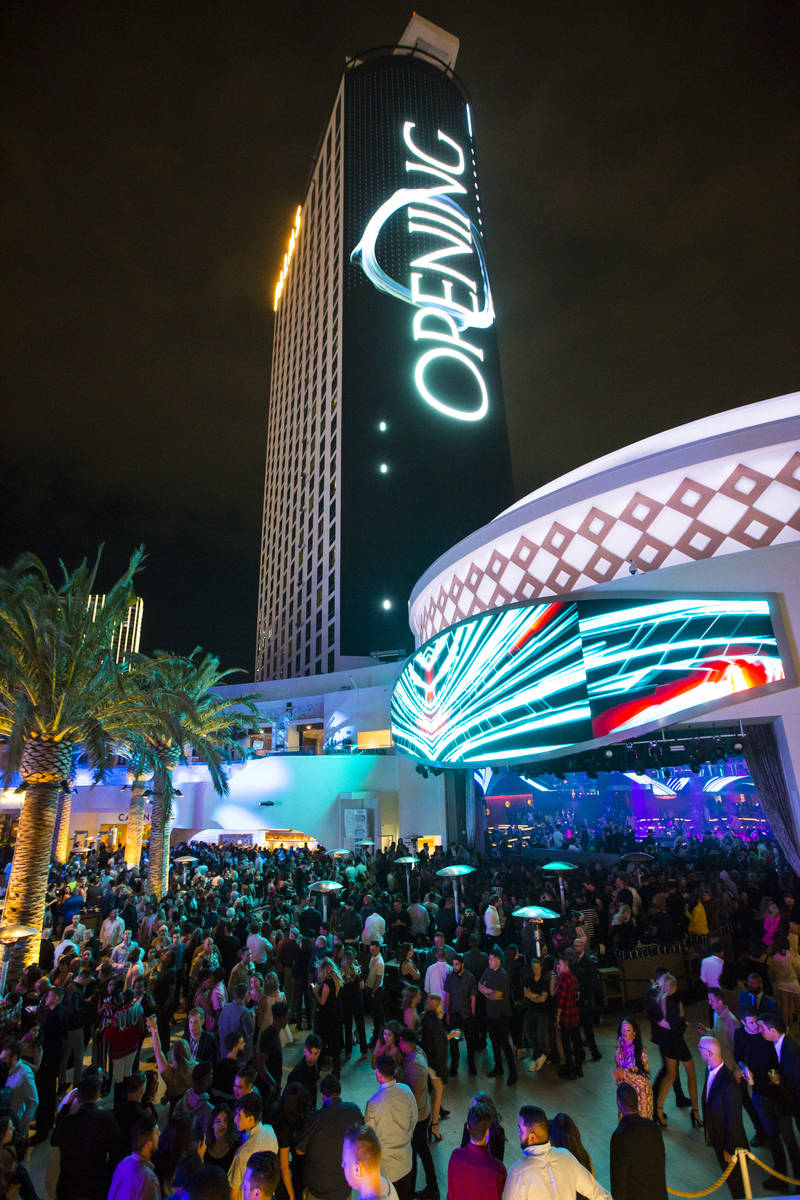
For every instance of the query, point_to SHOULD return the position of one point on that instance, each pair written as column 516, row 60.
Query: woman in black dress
column 434, row 1043
column 328, row 1017
column 352, row 1000
column 674, row 1048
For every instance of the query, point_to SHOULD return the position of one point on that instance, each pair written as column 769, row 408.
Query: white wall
column 310, row 794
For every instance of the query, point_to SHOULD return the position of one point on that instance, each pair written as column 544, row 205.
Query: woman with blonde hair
column 175, row 1069
column 674, row 1048
column 328, row 1015
column 271, row 994
column 352, row 1000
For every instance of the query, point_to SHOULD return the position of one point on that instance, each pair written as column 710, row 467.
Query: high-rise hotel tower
column 386, row 433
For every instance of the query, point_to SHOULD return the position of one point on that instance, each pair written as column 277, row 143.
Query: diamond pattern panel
column 673, row 518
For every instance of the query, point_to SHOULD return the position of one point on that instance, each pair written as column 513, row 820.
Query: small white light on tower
column 386, row 604
column 382, row 426
column 384, row 468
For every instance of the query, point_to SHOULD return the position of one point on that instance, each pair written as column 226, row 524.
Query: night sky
column 639, row 181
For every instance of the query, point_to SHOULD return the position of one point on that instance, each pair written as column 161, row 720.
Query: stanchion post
column 742, row 1156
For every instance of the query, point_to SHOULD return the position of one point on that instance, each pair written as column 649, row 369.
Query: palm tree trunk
column 158, row 871
column 61, row 833
column 46, row 768
column 27, row 885
column 133, row 844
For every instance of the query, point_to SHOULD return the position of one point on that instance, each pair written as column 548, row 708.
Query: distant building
column 386, row 437
column 128, row 633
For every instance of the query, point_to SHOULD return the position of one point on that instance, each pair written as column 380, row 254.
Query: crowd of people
column 147, row 1046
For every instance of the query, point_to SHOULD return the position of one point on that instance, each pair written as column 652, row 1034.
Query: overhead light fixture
column 383, row 468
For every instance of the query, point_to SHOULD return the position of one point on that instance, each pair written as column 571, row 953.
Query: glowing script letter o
column 458, row 414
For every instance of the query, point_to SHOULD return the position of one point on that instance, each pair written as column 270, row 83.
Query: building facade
column 128, row 633
column 385, row 396
column 645, row 602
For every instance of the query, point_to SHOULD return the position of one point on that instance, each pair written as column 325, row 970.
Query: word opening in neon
column 448, row 285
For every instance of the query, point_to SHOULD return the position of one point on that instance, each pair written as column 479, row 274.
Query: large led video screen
column 425, row 456
column 536, row 680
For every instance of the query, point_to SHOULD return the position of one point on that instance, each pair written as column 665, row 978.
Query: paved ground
column 691, row 1165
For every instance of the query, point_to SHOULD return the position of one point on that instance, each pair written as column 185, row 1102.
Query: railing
column 740, row 1157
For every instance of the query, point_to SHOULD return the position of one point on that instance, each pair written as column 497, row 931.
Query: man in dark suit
column 722, row 1112
column 203, row 1045
column 755, row 997
column 637, row 1152
column 787, row 1078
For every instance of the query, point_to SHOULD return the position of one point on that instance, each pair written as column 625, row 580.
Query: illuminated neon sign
column 287, row 258
column 538, row 679
column 448, row 283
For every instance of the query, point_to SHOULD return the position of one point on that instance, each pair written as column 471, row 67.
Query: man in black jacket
column 722, row 1112
column 54, row 1039
column 90, row 1144
column 750, row 1050
column 203, row 1045
column 637, row 1152
column 320, row 1142
column 585, row 970
column 785, row 1094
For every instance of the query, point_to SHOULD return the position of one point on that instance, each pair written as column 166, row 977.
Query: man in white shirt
column 374, row 987
column 392, row 1113
column 256, row 1137
column 362, row 1165
column 112, row 929
column 119, row 955
column 547, row 1172
column 712, row 966
column 258, row 946
column 374, row 929
column 261, row 1177
column 491, row 920
column 436, row 974
column 69, row 942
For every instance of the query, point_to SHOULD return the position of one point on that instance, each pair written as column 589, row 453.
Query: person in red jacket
column 124, row 1033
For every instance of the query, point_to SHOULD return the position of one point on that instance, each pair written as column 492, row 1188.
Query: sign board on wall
column 355, row 823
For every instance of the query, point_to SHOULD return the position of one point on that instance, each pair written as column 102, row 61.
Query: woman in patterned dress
column 633, row 1066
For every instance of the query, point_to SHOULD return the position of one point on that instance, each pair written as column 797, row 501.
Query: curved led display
column 511, row 685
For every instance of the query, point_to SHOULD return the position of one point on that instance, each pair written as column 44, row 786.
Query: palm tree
column 60, row 850
column 139, row 777
column 182, row 710
column 60, row 688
